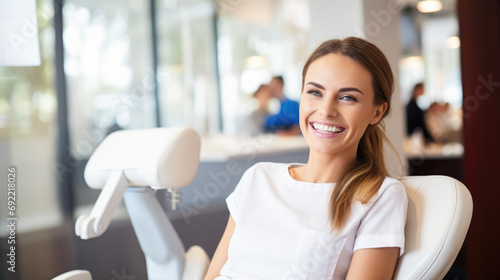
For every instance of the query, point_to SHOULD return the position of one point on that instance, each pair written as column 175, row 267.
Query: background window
column 187, row 72
column 108, row 67
column 28, row 132
column 259, row 39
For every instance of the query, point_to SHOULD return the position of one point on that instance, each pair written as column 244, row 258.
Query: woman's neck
column 322, row 168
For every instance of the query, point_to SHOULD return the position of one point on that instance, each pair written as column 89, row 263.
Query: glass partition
column 187, row 72
column 28, row 133
column 108, row 67
column 258, row 40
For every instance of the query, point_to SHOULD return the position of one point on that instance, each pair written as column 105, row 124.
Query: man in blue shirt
column 286, row 122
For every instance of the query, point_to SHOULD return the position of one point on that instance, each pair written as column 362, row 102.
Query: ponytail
column 360, row 180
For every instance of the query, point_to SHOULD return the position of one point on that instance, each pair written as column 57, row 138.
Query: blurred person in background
column 444, row 123
column 255, row 121
column 286, row 121
column 415, row 116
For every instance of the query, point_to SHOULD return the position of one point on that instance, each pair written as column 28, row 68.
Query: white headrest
column 159, row 157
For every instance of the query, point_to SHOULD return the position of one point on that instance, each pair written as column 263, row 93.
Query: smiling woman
column 339, row 216
column 349, row 82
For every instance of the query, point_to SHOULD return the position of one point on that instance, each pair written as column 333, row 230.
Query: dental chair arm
column 95, row 224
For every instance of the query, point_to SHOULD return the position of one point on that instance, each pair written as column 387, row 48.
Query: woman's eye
column 313, row 92
column 348, row 98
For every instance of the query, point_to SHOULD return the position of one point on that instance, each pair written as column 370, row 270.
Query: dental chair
column 134, row 164
column 438, row 217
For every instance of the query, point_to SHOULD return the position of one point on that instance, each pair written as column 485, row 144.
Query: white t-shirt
column 283, row 230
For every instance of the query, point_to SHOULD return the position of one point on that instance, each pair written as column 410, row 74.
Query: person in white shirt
column 339, row 216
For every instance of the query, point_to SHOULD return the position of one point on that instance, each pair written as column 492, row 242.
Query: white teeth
column 326, row 128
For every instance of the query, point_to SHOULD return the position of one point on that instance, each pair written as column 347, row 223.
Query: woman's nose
column 328, row 108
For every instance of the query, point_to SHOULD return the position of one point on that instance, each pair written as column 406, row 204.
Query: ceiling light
column 255, row 62
column 453, row 42
column 429, row 6
column 415, row 61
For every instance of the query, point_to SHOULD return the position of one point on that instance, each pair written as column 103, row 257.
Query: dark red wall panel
column 479, row 23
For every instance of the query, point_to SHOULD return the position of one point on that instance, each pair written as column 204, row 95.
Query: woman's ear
column 379, row 113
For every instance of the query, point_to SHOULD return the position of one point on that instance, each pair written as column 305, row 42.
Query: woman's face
column 337, row 105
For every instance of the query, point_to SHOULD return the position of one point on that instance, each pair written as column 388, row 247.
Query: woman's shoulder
column 391, row 187
column 390, row 182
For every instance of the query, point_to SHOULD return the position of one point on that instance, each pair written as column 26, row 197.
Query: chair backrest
column 439, row 214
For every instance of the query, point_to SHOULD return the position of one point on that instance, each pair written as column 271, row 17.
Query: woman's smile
column 326, row 130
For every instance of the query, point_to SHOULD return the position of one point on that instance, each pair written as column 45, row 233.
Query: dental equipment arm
column 134, row 164
column 95, row 224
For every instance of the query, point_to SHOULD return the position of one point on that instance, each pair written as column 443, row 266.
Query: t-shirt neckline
column 303, row 183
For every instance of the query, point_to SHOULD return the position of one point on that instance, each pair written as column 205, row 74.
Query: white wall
column 334, row 19
column 378, row 22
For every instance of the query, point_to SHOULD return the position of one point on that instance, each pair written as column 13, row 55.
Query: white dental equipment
column 134, row 164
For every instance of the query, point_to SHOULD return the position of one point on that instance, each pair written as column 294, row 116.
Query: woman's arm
column 373, row 264
column 220, row 255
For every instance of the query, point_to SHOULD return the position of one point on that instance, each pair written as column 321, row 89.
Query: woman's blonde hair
column 363, row 178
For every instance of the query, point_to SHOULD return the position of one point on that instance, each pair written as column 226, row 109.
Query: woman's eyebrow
column 350, row 89
column 340, row 90
column 316, row 85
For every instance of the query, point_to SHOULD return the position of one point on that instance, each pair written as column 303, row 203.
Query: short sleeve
column 383, row 224
column 235, row 199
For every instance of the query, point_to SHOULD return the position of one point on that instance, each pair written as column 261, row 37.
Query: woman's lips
column 324, row 130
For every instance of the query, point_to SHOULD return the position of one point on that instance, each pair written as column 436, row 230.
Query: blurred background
column 133, row 64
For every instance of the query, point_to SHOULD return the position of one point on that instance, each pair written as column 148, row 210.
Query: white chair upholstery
column 74, row 275
column 439, row 214
column 196, row 264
